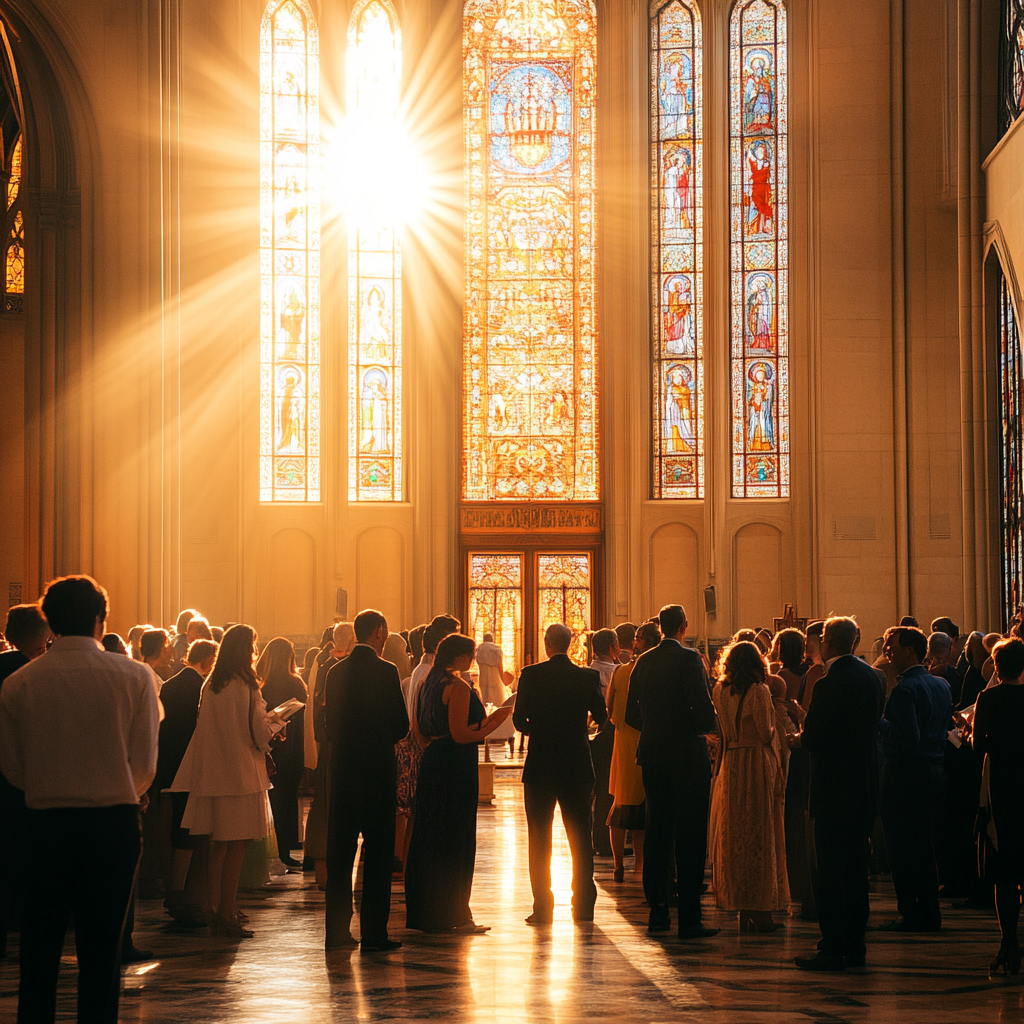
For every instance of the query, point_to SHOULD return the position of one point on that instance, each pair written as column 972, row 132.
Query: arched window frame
column 677, row 247
column 14, row 232
column 525, row 438
column 375, row 395
column 759, row 257
column 289, row 259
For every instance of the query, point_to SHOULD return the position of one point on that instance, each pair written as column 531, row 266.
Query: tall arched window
column 1011, row 379
column 289, row 253
column 1011, row 64
column 14, row 286
column 677, row 257
column 374, row 263
column 759, row 252
column 530, row 358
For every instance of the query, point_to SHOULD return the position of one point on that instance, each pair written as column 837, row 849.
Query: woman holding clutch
column 450, row 723
column 224, row 773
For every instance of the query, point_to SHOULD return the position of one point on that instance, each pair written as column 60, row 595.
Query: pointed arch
column 374, row 73
column 677, row 257
column 289, row 253
column 759, row 249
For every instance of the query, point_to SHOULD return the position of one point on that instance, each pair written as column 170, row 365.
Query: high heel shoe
column 1007, row 961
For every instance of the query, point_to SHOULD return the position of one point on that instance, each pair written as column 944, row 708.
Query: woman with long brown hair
column 280, row 681
column 748, row 848
column 225, row 775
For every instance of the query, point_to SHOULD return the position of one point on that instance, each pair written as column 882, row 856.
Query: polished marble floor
column 610, row 971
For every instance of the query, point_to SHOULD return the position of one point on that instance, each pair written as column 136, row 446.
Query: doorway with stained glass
column 516, row 595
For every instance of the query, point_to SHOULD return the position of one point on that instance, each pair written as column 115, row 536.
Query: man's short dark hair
column 602, row 642
column 944, row 624
column 440, row 627
column 1008, row 656
column 909, row 636
column 25, row 624
column 649, row 635
column 626, row 632
column 910, row 621
column 367, row 623
column 672, row 618
column 199, row 651
column 153, row 642
column 73, row 605
column 816, row 628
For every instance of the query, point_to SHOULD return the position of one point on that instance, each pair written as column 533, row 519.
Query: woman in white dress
column 224, row 772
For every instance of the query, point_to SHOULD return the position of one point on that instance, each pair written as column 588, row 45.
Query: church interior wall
column 166, row 507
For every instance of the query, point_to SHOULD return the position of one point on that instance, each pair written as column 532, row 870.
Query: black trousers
column 375, row 821
column 86, row 859
column 842, row 848
column 678, row 797
column 911, row 797
column 284, row 805
column 601, row 747
column 574, row 801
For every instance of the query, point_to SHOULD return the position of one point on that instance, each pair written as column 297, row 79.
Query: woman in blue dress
column 450, row 721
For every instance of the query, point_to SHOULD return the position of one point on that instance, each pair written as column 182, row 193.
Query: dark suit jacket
column 366, row 717
column 180, row 698
column 841, row 736
column 552, row 704
column 670, row 704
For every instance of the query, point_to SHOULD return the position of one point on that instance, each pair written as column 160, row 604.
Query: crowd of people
column 795, row 765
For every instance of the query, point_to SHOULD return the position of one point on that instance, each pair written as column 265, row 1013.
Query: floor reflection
column 606, row 972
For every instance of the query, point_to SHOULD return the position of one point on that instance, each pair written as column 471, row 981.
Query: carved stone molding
column 478, row 519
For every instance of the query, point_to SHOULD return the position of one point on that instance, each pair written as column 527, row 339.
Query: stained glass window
column 374, row 266
column 15, row 277
column 289, row 253
column 530, row 331
column 759, row 251
column 563, row 595
column 1011, row 64
column 1011, row 370
column 677, row 257
column 496, row 604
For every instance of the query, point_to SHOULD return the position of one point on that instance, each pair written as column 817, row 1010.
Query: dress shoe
column 905, row 924
column 697, row 931
column 292, row 863
column 131, row 955
column 536, row 920
column 345, row 942
column 659, row 921
column 384, row 946
column 854, row 962
column 821, row 962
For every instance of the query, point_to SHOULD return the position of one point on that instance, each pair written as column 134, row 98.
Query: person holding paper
column 224, row 772
column 276, row 671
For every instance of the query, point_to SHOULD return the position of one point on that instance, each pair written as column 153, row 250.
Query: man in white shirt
column 78, row 733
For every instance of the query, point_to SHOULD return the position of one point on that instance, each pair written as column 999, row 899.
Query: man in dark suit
column 552, row 704
column 366, row 717
column 180, row 697
column 669, row 703
column 841, row 736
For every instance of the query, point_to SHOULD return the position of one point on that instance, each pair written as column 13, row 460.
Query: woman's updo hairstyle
column 453, row 647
